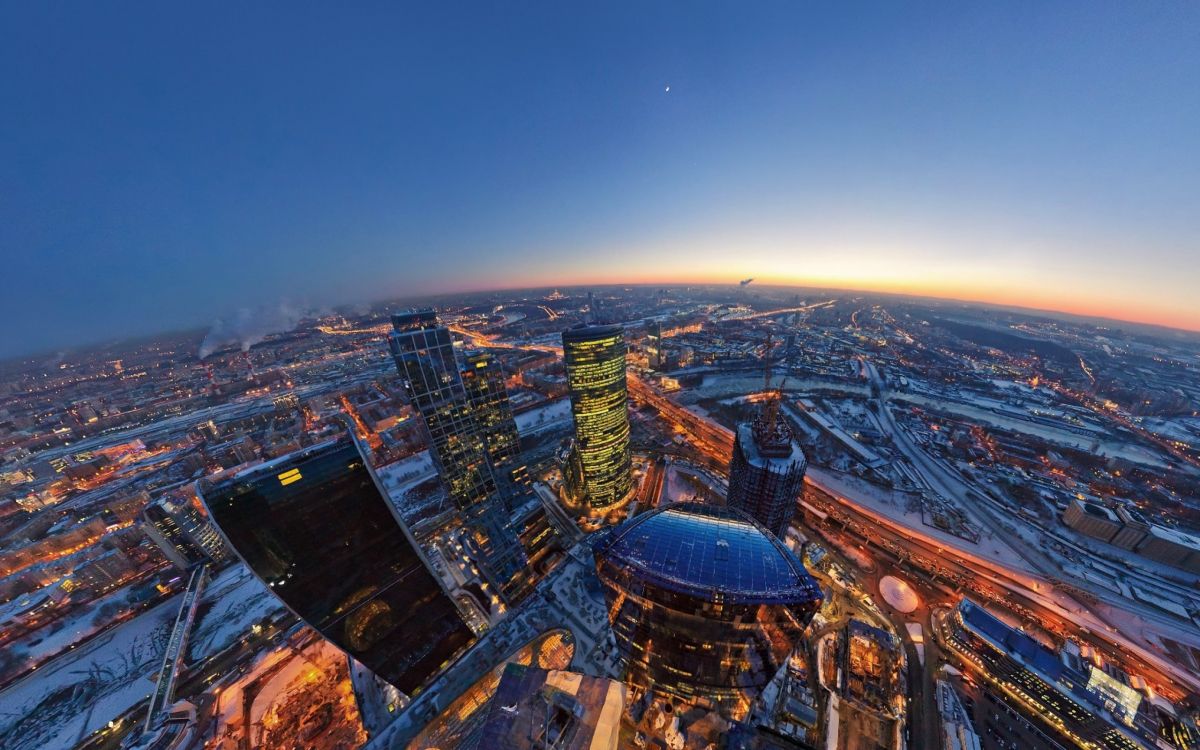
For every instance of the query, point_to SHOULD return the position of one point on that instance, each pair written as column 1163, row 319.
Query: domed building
column 703, row 600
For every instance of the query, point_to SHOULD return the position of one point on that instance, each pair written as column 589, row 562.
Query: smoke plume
column 250, row 326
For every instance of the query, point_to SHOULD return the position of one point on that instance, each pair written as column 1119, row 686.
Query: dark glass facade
column 595, row 359
column 458, row 441
column 766, row 474
column 571, row 465
column 483, row 380
column 314, row 526
column 424, row 354
column 703, row 600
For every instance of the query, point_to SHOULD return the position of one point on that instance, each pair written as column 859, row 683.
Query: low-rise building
column 1092, row 519
column 1172, row 547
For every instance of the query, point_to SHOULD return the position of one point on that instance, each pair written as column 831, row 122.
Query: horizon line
column 766, row 282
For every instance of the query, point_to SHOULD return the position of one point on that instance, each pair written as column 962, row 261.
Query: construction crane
column 768, row 430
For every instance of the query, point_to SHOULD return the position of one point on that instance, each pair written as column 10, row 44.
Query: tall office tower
column 595, row 357
column 424, row 354
column 766, row 471
column 703, row 601
column 483, row 379
column 570, row 463
column 315, row 526
column 185, row 536
column 654, row 345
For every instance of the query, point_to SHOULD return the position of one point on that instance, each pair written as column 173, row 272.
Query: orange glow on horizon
column 1067, row 301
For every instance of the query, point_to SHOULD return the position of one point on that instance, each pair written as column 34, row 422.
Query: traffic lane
column 1044, row 616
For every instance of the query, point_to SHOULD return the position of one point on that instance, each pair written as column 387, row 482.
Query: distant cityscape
column 736, row 516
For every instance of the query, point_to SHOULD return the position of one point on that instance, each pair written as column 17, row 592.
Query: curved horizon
column 168, row 167
column 769, row 282
column 780, row 282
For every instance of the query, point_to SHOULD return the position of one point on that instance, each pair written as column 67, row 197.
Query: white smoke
column 249, row 326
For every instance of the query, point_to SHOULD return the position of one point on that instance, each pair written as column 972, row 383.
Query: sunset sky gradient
column 162, row 165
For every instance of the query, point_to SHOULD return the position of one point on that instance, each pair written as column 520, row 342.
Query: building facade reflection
column 315, row 528
column 703, row 600
column 471, row 435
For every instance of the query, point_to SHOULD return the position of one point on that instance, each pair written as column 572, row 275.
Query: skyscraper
column 595, row 358
column 458, row 442
column 318, row 531
column 703, row 600
column 571, row 465
column 483, row 380
column 766, row 471
column 185, row 536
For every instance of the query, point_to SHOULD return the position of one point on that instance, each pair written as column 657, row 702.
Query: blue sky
column 163, row 164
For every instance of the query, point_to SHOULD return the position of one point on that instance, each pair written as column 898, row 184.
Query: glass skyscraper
column 483, row 380
column 182, row 532
column 703, row 600
column 458, row 437
column 595, row 359
column 318, row 531
column 424, row 354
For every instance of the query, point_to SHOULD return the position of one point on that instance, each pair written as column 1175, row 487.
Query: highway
column 712, row 439
column 784, row 311
column 948, row 569
column 979, row 503
column 716, row 442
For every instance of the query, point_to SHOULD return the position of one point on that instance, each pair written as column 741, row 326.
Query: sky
column 163, row 165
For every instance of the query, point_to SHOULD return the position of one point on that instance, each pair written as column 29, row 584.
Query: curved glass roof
column 703, row 549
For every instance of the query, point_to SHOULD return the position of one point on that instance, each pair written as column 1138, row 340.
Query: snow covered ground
column 63, row 701
column 881, row 501
column 73, row 629
column 237, row 600
column 82, row 690
column 553, row 414
column 684, row 484
column 1186, row 429
column 979, row 412
column 716, row 386
column 859, row 558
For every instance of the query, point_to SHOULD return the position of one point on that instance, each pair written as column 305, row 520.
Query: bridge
column 164, row 688
column 565, row 600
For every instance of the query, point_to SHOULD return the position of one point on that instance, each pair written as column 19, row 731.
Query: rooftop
column 697, row 548
column 1099, row 511
column 1177, row 536
column 535, row 708
column 414, row 319
column 782, row 449
column 1010, row 640
column 586, row 333
column 256, row 471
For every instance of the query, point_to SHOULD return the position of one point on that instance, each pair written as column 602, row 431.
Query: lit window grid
column 599, row 404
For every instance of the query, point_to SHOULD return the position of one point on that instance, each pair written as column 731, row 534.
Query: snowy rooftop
column 1181, row 538
column 749, row 443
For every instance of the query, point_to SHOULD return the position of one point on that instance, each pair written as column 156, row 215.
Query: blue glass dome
column 709, row 552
